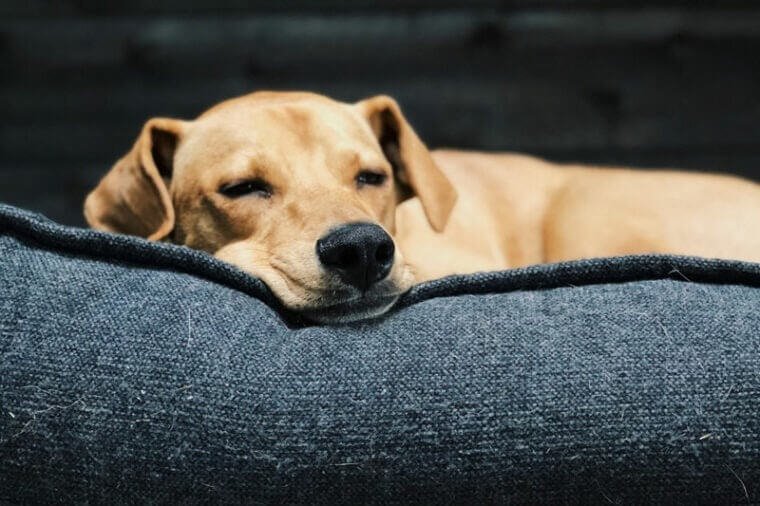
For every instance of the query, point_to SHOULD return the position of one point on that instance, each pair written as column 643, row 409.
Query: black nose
column 360, row 253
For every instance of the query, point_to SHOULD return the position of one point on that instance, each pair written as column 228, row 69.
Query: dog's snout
column 360, row 253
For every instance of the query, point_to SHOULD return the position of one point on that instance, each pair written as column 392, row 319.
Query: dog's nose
column 360, row 253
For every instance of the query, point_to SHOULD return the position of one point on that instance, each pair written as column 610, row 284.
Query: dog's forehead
column 280, row 130
column 305, row 117
column 297, row 124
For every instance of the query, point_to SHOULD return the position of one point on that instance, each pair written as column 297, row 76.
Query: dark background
column 659, row 83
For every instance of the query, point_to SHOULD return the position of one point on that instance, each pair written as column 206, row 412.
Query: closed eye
column 257, row 187
column 370, row 178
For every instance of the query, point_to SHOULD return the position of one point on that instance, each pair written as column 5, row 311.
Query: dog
column 340, row 208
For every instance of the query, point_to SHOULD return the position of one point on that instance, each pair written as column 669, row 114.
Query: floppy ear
column 411, row 160
column 133, row 198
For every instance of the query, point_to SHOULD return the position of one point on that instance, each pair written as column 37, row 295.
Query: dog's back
column 517, row 210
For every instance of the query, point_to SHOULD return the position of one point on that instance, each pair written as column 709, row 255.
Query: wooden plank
column 65, row 141
column 60, row 8
column 57, row 191
column 160, row 48
column 653, row 109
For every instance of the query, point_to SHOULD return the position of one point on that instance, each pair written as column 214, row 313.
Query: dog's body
column 515, row 210
column 306, row 192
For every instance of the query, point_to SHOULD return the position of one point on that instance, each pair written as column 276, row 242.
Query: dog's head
column 295, row 188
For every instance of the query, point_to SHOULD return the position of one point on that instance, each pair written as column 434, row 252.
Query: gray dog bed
column 134, row 372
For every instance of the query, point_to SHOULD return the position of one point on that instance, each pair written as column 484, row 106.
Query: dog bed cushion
column 136, row 372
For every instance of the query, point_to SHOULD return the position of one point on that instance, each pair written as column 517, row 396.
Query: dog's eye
column 255, row 186
column 371, row 178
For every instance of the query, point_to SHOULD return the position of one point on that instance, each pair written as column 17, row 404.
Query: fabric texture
column 134, row 372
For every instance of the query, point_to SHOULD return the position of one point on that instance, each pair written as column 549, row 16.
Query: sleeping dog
column 339, row 208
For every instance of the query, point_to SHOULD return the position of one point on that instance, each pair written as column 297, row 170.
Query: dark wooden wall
column 659, row 83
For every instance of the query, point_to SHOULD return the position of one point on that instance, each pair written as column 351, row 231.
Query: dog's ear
column 411, row 160
column 133, row 198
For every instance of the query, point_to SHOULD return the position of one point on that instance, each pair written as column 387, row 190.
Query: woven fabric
column 133, row 372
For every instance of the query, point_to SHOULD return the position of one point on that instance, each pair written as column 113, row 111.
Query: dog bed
column 136, row 372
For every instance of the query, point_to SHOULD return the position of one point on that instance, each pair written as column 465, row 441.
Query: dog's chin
column 362, row 308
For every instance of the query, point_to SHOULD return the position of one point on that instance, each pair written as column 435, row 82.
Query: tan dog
column 305, row 193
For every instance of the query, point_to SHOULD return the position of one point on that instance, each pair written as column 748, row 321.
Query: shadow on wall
column 600, row 82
